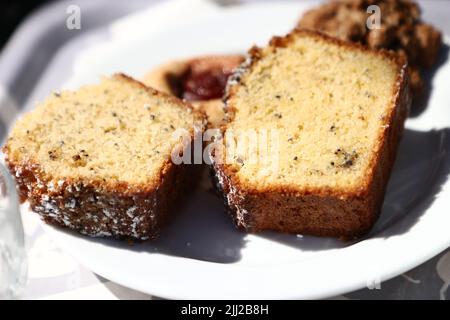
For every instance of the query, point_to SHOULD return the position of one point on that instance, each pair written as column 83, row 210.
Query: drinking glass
column 13, row 267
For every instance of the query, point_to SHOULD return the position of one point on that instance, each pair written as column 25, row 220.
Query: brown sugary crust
column 345, row 213
column 159, row 79
column 99, row 208
column 96, row 212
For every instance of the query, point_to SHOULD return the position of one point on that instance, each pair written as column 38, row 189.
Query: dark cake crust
column 345, row 214
column 97, row 212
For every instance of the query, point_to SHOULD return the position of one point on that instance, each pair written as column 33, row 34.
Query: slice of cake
column 98, row 160
column 199, row 80
column 335, row 112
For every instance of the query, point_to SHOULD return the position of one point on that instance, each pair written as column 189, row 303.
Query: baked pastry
column 200, row 80
column 401, row 30
column 337, row 111
column 98, row 160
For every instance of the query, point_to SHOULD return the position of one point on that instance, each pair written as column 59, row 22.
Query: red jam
column 204, row 78
column 205, row 84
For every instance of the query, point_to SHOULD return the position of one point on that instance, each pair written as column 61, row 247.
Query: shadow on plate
column 421, row 169
column 200, row 230
column 420, row 103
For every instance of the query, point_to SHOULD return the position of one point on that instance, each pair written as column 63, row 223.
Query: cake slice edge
column 321, row 212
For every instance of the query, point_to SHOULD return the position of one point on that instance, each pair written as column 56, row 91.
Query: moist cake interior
column 327, row 106
column 115, row 131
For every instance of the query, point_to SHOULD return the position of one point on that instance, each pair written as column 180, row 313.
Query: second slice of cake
column 337, row 111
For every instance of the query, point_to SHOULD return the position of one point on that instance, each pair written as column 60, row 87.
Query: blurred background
column 13, row 12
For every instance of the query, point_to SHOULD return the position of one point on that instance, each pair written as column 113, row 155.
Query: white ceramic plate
column 201, row 255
